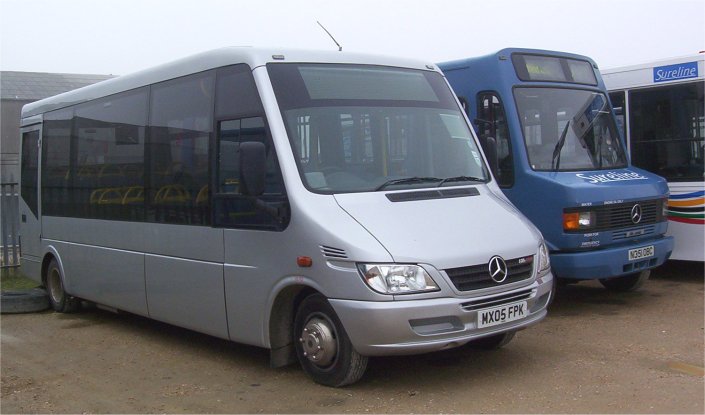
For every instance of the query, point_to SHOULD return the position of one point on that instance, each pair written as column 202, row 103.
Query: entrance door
column 30, row 226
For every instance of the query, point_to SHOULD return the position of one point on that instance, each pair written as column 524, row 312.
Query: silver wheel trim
column 55, row 287
column 319, row 340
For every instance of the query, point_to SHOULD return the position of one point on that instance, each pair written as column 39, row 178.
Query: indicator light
column 304, row 261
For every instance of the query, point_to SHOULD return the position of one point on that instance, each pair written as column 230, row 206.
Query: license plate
column 501, row 314
column 639, row 253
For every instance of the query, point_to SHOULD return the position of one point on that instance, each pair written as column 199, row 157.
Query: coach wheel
column 322, row 346
column 626, row 283
column 58, row 298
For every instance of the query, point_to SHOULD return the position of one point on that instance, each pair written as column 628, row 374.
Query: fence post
column 9, row 225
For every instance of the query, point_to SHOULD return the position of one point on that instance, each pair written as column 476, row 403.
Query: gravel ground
column 597, row 352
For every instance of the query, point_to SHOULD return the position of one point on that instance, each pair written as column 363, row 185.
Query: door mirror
column 489, row 144
column 253, row 167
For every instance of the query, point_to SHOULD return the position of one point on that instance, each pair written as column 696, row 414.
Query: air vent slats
column 432, row 194
column 333, row 253
column 496, row 300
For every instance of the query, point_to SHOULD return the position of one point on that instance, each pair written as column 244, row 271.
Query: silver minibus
column 328, row 206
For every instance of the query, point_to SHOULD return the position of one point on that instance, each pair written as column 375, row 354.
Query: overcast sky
column 122, row 36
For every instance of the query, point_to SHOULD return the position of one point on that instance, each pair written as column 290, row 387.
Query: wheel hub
column 318, row 342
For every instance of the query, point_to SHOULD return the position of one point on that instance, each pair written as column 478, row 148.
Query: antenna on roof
column 340, row 48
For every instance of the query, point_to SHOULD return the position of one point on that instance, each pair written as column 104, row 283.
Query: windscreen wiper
column 407, row 180
column 559, row 146
column 460, row 179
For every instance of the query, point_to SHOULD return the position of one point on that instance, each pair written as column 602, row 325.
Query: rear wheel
column 626, row 283
column 58, row 299
column 322, row 346
column 492, row 342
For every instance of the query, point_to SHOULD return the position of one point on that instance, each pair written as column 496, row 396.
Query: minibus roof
column 506, row 53
column 253, row 57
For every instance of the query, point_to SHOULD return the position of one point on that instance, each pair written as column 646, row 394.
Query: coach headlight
column 396, row 278
column 579, row 221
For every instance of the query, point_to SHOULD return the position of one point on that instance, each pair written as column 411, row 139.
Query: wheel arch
column 281, row 323
column 50, row 255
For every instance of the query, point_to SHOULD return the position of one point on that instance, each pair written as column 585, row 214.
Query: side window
column 57, row 177
column 109, row 168
column 238, row 102
column 181, row 126
column 666, row 130
column 492, row 122
column 30, row 158
column 618, row 103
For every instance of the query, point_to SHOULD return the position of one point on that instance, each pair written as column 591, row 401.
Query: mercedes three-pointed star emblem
column 498, row 269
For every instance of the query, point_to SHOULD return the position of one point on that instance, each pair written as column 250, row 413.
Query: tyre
column 58, row 298
column 492, row 342
column 322, row 345
column 23, row 301
column 626, row 283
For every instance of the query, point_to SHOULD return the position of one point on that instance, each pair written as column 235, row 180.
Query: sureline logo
column 611, row 177
column 676, row 72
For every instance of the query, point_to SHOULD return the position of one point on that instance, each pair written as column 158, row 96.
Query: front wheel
column 322, row 346
column 58, row 298
column 626, row 283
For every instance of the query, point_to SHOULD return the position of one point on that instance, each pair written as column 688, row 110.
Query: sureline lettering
column 675, row 72
column 611, row 177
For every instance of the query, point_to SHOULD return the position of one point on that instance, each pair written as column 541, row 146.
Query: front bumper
column 420, row 326
column 609, row 262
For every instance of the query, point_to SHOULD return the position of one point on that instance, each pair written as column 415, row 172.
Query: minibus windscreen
column 359, row 128
column 569, row 129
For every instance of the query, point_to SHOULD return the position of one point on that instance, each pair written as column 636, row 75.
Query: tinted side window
column 667, row 130
column 30, row 159
column 493, row 123
column 232, row 208
column 241, row 120
column 110, row 138
column 57, row 177
column 181, row 126
column 237, row 93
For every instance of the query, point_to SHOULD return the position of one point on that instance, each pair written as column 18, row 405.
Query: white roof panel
column 254, row 57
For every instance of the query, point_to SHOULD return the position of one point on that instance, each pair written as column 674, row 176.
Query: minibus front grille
column 476, row 277
column 496, row 300
column 619, row 216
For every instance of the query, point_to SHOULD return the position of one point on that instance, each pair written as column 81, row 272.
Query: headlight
column 579, row 221
column 396, row 279
column 544, row 262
